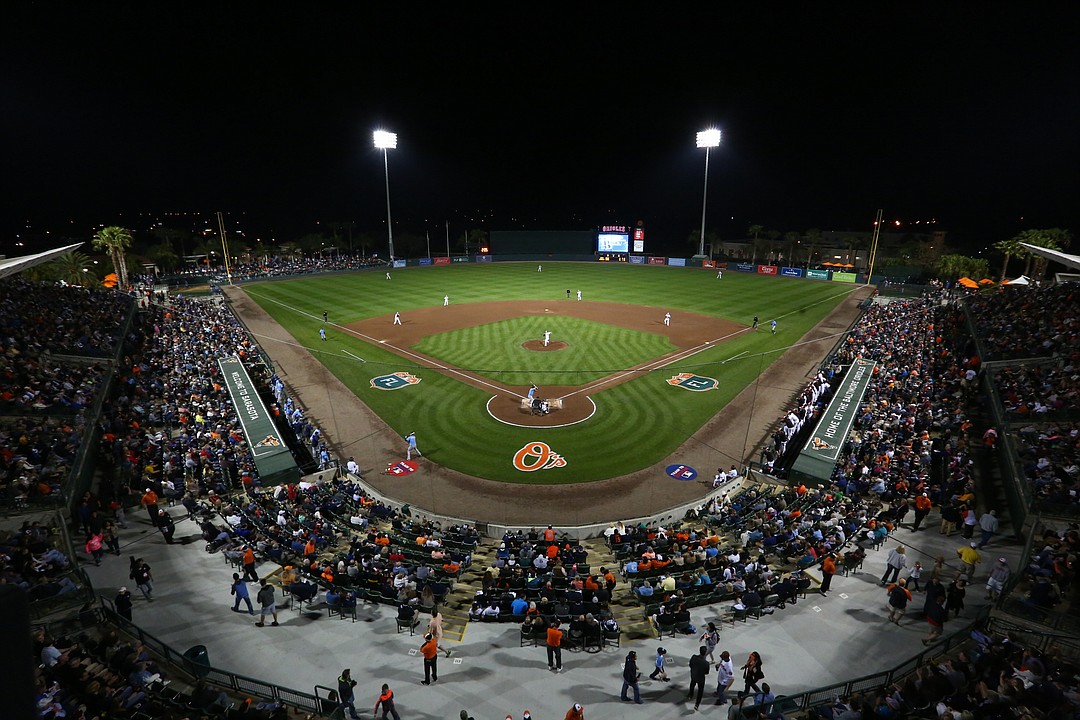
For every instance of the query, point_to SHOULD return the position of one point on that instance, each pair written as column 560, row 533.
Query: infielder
column 547, row 337
column 397, row 318
column 445, row 300
column 322, row 334
column 411, row 439
column 773, row 324
column 579, row 295
column 667, row 318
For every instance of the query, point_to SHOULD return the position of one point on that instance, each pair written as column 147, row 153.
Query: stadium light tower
column 706, row 139
column 387, row 141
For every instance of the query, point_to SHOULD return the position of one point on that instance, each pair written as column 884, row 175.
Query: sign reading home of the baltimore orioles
column 693, row 383
column 394, row 381
column 537, row 456
column 834, row 426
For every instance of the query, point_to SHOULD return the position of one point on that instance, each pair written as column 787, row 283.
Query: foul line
column 424, row 362
column 354, row 356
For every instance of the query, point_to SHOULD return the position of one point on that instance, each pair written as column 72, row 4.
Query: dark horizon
column 566, row 121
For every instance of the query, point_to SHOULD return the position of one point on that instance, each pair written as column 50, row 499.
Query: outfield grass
column 636, row 424
column 595, row 350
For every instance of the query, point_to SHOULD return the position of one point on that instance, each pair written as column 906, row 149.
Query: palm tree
column 1009, row 248
column 73, row 268
column 792, row 239
column 114, row 240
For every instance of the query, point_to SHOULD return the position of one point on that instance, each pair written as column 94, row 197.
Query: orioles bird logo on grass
column 537, row 456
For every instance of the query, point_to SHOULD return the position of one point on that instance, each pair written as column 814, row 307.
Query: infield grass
column 594, row 350
column 636, row 423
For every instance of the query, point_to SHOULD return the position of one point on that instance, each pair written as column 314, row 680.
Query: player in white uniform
column 667, row 318
column 547, row 337
column 445, row 300
column 579, row 295
column 397, row 318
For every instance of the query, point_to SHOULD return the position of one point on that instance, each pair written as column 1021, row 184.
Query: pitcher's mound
column 538, row 345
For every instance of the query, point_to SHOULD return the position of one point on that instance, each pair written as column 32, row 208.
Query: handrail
column 878, row 680
column 224, row 679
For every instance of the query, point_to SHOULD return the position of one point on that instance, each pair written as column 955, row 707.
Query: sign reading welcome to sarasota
column 273, row 459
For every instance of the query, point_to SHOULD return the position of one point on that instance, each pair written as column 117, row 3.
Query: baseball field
column 617, row 389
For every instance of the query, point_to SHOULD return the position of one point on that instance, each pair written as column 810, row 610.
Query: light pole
column 387, row 141
column 706, row 139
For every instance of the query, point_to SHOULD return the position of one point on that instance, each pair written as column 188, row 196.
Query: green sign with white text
column 273, row 459
column 819, row 456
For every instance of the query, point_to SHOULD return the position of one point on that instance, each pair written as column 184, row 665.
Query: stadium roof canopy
column 1072, row 261
column 10, row 266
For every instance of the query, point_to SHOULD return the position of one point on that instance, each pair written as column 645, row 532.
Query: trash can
column 197, row 661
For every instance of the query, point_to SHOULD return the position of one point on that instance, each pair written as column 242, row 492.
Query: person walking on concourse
column 630, row 677
column 386, row 700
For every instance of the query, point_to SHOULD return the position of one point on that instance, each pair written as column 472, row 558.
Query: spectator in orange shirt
column 150, row 502
column 430, row 651
column 554, row 647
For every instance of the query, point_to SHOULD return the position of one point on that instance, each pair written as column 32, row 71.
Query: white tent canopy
column 1022, row 280
column 10, row 266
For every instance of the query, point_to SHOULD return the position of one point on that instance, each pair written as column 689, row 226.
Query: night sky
column 544, row 116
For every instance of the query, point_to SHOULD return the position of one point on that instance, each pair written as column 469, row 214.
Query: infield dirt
column 687, row 332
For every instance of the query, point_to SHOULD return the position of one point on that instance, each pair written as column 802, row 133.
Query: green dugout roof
column 818, row 458
column 273, row 460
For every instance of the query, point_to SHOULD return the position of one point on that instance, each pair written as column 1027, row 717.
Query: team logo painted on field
column 537, row 456
column 269, row 441
column 402, row 467
column 681, row 472
column 694, row 383
column 394, row 381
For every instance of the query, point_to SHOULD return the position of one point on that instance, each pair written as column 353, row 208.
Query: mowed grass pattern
column 636, row 424
column 594, row 350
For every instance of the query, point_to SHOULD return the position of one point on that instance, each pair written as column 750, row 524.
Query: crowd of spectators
column 280, row 266
column 994, row 678
column 1031, row 391
column 331, row 536
column 1027, row 321
column 32, row 559
column 54, row 342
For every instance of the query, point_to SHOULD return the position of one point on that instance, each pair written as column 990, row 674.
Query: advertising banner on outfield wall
column 817, row 274
column 442, row 261
column 400, row 263
column 791, row 272
column 460, row 259
column 677, row 262
column 767, row 269
column 745, row 267
column 483, row 258
column 424, row 262
column 819, row 456
column 273, row 459
column 657, row 260
column 843, row 277
column 711, row 264
column 637, row 259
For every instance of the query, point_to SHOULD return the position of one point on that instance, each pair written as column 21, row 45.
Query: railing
column 880, row 680
column 226, row 680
